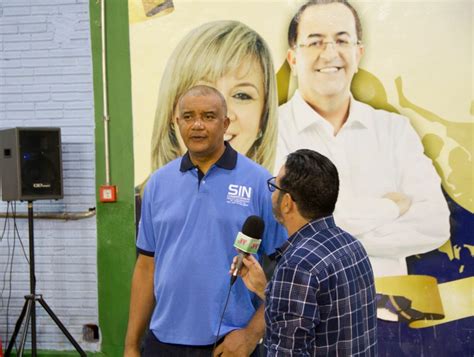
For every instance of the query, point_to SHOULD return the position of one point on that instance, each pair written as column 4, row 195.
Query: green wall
column 115, row 221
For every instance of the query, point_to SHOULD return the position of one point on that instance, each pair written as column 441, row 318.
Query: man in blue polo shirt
column 192, row 210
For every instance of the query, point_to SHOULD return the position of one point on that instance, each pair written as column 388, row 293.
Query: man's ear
column 226, row 122
column 360, row 52
column 291, row 59
column 288, row 205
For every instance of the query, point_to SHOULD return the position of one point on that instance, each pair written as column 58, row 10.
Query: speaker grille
column 32, row 164
column 40, row 157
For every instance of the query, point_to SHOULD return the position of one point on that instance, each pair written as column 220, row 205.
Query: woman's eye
column 242, row 96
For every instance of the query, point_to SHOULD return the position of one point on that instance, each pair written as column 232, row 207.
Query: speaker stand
column 29, row 310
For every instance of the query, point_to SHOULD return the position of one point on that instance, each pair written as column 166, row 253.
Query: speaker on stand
column 31, row 169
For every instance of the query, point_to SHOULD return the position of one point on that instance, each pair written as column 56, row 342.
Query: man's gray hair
column 203, row 90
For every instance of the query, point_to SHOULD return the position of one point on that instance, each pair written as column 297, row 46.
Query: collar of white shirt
column 306, row 116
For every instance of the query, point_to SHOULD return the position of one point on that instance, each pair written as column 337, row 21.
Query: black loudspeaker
column 30, row 163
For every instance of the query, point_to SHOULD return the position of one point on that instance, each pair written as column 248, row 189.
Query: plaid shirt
column 321, row 299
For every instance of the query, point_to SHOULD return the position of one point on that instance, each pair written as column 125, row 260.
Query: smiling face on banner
column 326, row 54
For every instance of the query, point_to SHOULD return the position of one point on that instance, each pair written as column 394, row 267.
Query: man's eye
column 316, row 44
column 342, row 42
column 242, row 96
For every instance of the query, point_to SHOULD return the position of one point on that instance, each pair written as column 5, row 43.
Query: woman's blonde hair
column 208, row 53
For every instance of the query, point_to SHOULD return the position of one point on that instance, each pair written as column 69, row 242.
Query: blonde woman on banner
column 233, row 58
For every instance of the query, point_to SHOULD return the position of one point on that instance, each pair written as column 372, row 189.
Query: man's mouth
column 328, row 69
column 229, row 137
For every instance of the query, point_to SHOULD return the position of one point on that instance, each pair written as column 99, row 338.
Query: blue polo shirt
column 189, row 223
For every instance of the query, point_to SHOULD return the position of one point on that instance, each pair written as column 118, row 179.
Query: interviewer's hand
column 238, row 343
column 252, row 274
column 401, row 200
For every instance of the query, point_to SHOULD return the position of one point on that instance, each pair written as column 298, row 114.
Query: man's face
column 325, row 72
column 277, row 197
column 202, row 124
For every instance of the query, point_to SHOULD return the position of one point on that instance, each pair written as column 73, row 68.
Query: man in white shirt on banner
column 390, row 195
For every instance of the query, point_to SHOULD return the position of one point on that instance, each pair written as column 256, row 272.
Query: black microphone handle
column 238, row 266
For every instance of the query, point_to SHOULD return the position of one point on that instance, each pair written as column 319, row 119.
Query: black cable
column 11, row 269
column 18, row 235
column 10, row 214
column 6, row 228
column 222, row 318
column 5, row 224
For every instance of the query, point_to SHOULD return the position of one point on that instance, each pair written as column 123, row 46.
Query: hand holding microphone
column 245, row 265
column 247, row 241
column 252, row 275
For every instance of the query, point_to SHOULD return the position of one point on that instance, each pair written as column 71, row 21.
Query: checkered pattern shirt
column 321, row 299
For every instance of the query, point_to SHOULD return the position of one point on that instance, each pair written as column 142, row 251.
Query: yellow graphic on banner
column 139, row 11
column 458, row 302
column 434, row 304
column 420, row 292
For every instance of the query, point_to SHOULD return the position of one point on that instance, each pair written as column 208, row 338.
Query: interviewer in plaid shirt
column 321, row 298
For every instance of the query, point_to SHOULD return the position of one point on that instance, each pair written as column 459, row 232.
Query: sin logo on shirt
column 239, row 195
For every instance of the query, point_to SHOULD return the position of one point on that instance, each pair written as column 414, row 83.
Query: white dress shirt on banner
column 375, row 152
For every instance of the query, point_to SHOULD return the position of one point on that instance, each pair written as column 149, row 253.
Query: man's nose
column 198, row 123
column 329, row 51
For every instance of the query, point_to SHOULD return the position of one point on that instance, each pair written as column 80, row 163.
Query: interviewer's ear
column 287, row 203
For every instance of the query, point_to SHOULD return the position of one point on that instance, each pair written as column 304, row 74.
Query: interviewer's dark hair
column 295, row 21
column 313, row 183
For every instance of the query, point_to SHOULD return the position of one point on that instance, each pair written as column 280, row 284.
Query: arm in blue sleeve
column 146, row 237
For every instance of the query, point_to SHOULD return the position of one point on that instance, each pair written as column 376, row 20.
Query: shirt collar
column 306, row 116
column 227, row 161
column 308, row 230
column 358, row 114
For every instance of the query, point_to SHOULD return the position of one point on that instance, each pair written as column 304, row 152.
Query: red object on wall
column 108, row 193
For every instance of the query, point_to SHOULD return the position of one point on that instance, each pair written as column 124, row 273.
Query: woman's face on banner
column 244, row 92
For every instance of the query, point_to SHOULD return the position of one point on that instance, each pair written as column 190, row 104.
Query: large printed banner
column 418, row 62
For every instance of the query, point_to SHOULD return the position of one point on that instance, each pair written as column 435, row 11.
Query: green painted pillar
column 115, row 221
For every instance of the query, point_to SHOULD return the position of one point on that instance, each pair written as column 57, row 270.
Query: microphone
column 248, row 241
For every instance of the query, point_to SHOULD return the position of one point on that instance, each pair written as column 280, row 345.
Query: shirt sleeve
column 146, row 238
column 359, row 215
column 293, row 313
column 425, row 226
